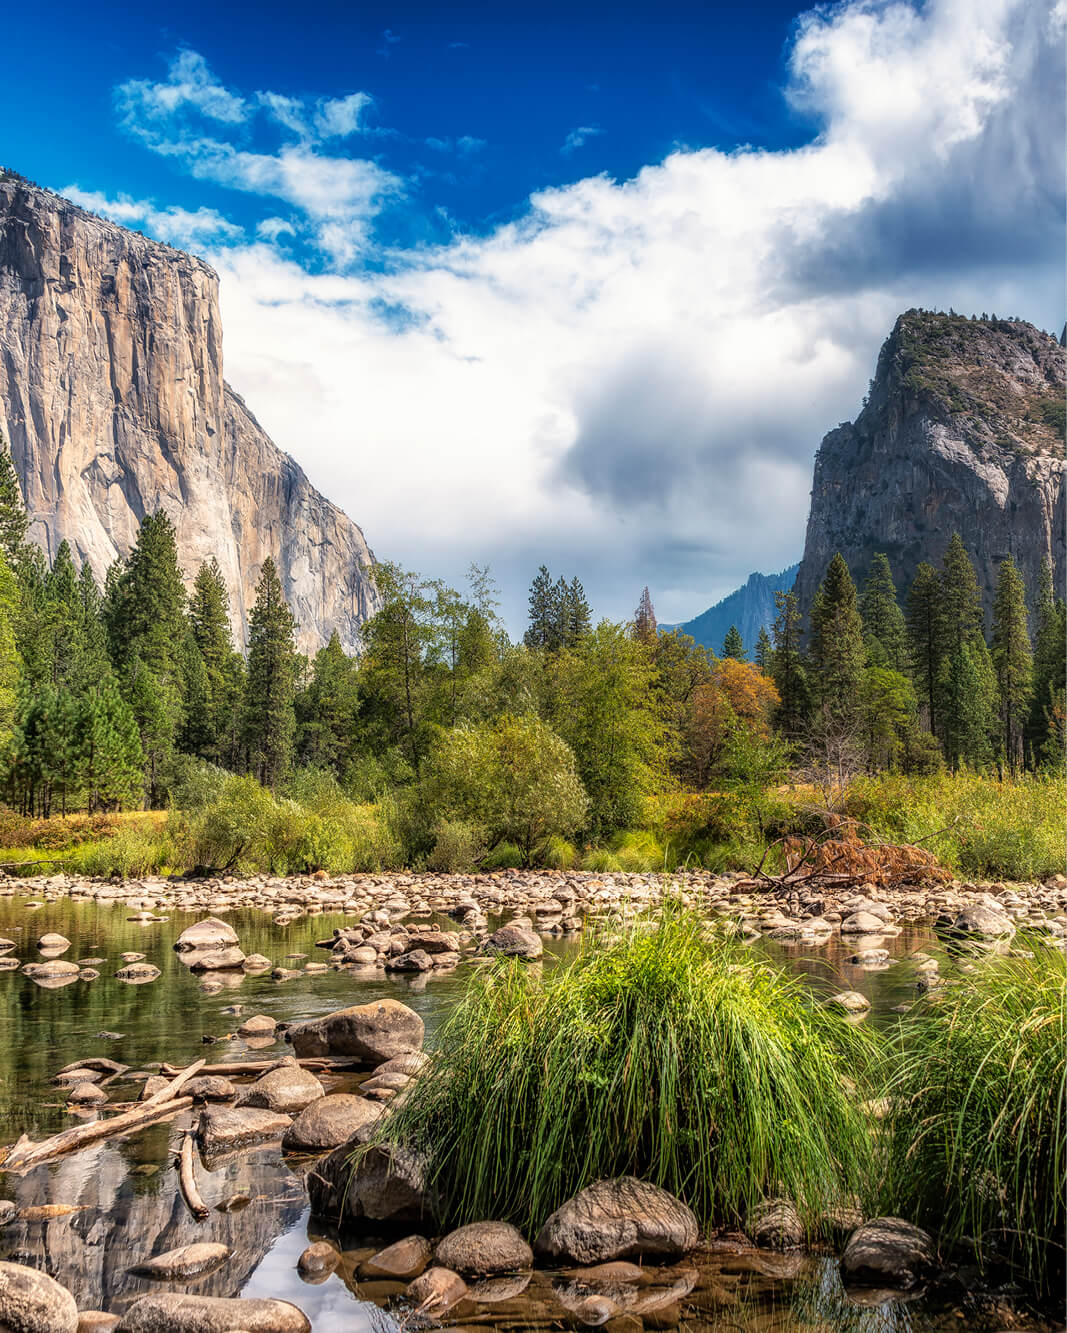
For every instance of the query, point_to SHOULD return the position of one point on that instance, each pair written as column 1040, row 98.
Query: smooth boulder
column 373, row 1032
column 483, row 1249
column 776, row 1225
column 888, row 1252
column 435, row 1291
column 618, row 1219
column 514, row 942
column 211, row 933
column 188, row 1261
column 226, row 1128
column 32, row 1302
column 329, row 1122
column 230, row 959
column 385, row 1184
column 286, row 1089
column 175, row 1312
column 402, row 1261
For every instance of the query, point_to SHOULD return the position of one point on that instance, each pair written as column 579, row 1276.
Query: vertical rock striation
column 113, row 401
column 963, row 431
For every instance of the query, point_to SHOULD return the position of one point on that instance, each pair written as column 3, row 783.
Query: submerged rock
column 32, row 1302
column 175, row 1312
column 403, row 1260
column 888, row 1252
column 188, row 1261
column 318, row 1261
column 371, row 1032
column 436, row 1291
column 618, row 1219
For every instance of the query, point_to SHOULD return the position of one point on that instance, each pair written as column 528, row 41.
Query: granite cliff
column 113, row 401
column 751, row 608
column 963, row 431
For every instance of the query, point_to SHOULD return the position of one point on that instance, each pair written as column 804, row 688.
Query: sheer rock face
column 962, row 432
column 113, row 400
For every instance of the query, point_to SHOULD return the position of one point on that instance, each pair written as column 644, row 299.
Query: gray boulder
column 231, row 959
column 403, row 1260
column 188, row 1261
column 370, row 1032
column 226, row 1128
column 515, row 942
column 175, row 1312
column 384, row 1184
column 32, row 1302
column 981, row 920
column 328, row 1122
column 484, row 1249
column 775, row 1225
column 618, row 1219
column 286, row 1089
column 888, row 1252
column 211, row 933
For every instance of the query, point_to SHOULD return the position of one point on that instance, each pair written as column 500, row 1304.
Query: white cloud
column 342, row 116
column 178, row 226
column 577, row 137
column 190, row 85
column 629, row 382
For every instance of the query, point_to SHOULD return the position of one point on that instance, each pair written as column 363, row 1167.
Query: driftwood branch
column 187, row 1179
column 25, row 1155
column 238, row 1067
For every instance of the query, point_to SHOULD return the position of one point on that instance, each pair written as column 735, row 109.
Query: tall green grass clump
column 662, row 1052
column 976, row 1139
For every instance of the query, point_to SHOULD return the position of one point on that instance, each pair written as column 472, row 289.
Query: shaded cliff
column 751, row 608
column 963, row 431
column 113, row 401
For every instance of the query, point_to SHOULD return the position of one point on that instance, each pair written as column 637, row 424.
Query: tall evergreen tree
column 541, row 633
column 1012, row 661
column 967, row 706
column 645, row 627
column 763, row 655
column 961, row 616
column 790, row 672
column 109, row 747
column 268, row 705
column 579, row 617
column 9, row 654
column 884, row 631
column 733, row 645
column 326, row 710
column 223, row 668
column 13, row 519
column 837, row 651
column 1049, row 700
column 924, row 640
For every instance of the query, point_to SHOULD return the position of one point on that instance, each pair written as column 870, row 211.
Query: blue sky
column 576, row 283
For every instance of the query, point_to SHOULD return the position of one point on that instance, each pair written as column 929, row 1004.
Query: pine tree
column 9, row 654
column 326, row 710
column 109, row 746
column 579, row 617
column 884, row 631
column 150, row 702
column 837, row 651
column 645, row 627
column 542, row 611
column 268, row 705
column 764, row 653
column 924, row 639
column 960, row 599
column 790, row 672
column 1012, row 661
column 1050, row 669
column 13, row 519
column 965, row 713
column 733, row 645
column 209, row 622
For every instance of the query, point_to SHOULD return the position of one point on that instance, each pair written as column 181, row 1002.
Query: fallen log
column 171, row 1090
column 238, row 1067
column 25, row 1155
column 187, row 1179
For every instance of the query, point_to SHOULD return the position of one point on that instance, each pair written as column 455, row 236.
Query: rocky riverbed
column 338, row 982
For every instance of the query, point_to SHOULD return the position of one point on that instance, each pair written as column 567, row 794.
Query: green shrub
column 559, row 854
column 130, row 852
column 602, row 861
column 976, row 1136
column 504, row 856
column 638, row 851
column 459, row 845
column 663, row 1052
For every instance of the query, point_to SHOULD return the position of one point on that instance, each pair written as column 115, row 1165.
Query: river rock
column 53, row 941
column 403, row 1260
column 618, row 1219
column 863, row 923
column 979, row 920
column 51, row 970
column 225, row 1128
column 318, row 1260
column 888, row 1252
column 96, row 1321
column 138, row 973
column 483, row 1249
column 153, row 1084
column 287, row 1089
column 416, row 960
column 372, row 1032
column 256, row 962
column 210, row 1088
column 86, row 1094
column 259, row 1025
column 175, row 1312
column 436, row 1291
column 775, row 1225
column 217, row 960
column 32, row 1302
column 211, row 933
column 329, row 1121
column 515, row 942
column 386, row 1184
column 850, row 1000
column 184, row 1263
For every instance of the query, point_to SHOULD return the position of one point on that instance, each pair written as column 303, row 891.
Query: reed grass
column 663, row 1052
column 976, row 1137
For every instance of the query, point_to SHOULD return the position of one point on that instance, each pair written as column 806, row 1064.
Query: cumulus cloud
column 629, row 381
column 177, row 226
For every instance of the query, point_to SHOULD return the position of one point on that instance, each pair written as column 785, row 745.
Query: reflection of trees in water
column 127, row 1214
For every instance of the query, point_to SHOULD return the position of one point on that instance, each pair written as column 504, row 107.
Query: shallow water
column 118, row 1201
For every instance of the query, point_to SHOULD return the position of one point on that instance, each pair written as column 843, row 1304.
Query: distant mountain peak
column 750, row 608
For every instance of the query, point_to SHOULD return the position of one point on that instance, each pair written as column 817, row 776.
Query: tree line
column 107, row 696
